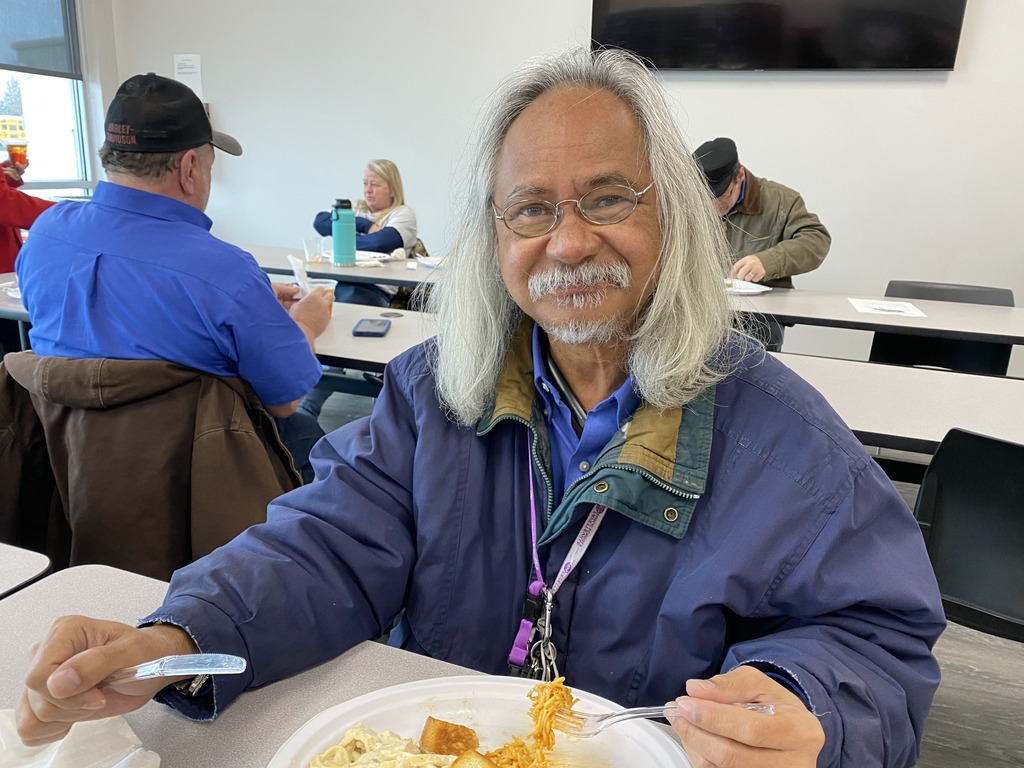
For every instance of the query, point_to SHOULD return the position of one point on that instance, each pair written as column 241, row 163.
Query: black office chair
column 956, row 354
column 971, row 510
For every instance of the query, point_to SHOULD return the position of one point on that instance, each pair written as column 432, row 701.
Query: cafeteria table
column 338, row 347
column 403, row 272
column 11, row 308
column 975, row 719
column 911, row 409
column 250, row 731
column 19, row 567
column 946, row 319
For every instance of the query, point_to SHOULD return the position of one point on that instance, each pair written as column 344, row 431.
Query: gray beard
column 580, row 300
column 578, row 333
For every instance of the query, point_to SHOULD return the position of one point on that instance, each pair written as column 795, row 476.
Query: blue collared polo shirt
column 572, row 455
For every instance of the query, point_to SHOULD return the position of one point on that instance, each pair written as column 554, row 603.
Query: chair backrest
column 971, row 510
column 419, row 249
column 955, row 354
column 965, row 294
column 154, row 465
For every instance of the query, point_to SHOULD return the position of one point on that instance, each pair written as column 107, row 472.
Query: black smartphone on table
column 371, row 326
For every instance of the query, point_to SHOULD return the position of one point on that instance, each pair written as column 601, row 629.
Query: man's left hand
column 287, row 293
column 313, row 312
column 13, row 172
column 748, row 268
column 717, row 734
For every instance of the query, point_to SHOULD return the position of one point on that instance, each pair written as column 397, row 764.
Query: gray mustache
column 584, row 276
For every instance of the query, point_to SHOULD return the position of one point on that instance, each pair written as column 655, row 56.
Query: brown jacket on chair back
column 155, row 464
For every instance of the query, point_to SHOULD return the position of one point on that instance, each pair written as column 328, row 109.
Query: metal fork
column 586, row 724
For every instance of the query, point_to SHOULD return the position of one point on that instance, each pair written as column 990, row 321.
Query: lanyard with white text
column 537, row 658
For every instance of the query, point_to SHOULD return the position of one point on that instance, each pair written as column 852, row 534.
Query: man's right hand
column 312, row 313
column 78, row 653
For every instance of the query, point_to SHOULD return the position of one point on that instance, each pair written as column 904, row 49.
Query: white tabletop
column 10, row 307
column 337, row 346
column 954, row 320
column 274, row 260
column 893, row 406
column 250, row 731
column 18, row 566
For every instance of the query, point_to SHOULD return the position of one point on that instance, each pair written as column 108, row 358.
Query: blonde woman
column 384, row 223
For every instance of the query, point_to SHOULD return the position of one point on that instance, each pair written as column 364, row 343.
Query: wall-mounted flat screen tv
column 783, row 34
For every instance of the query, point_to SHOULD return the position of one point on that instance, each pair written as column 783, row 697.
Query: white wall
column 315, row 89
column 917, row 175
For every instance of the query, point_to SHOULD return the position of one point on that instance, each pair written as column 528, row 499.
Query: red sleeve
column 18, row 209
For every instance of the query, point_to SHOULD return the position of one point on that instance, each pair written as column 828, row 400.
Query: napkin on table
column 108, row 743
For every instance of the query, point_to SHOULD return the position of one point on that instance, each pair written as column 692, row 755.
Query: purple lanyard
column 539, row 598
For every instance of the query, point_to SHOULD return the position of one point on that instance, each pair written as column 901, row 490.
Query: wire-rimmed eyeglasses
column 609, row 204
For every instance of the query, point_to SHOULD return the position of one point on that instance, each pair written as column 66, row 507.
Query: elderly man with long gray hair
column 587, row 473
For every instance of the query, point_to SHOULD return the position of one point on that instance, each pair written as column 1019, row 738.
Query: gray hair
column 152, row 166
column 676, row 350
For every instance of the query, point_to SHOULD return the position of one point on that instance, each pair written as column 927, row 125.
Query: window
column 41, row 93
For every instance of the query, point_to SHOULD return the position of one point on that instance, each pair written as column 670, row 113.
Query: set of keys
column 541, row 663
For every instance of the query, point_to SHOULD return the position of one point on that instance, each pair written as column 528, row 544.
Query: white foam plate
column 496, row 708
column 744, row 288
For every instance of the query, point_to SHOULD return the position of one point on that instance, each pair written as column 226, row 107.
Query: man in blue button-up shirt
column 135, row 273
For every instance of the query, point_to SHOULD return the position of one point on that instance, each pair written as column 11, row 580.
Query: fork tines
column 567, row 721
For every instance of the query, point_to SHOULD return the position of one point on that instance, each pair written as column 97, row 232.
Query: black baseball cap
column 150, row 113
column 718, row 159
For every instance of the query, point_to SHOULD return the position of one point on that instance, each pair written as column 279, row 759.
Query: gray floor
column 341, row 408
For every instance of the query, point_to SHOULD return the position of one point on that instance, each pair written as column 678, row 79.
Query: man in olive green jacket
column 772, row 234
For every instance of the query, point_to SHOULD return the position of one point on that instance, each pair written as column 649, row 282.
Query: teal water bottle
column 343, row 233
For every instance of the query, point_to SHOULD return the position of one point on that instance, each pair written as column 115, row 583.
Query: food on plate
column 446, row 738
column 472, row 759
column 451, row 745
column 547, row 699
column 363, row 747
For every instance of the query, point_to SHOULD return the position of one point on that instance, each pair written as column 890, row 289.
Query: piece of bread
column 472, row 759
column 440, row 737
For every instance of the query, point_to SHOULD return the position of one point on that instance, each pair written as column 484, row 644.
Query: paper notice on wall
column 879, row 307
column 188, row 70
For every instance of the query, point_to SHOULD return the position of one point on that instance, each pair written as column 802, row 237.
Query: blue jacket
column 750, row 526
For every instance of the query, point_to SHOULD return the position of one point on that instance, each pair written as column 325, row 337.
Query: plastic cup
column 314, row 248
column 17, row 152
column 323, row 282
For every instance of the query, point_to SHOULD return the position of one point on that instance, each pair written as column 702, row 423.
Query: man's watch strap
column 193, row 686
